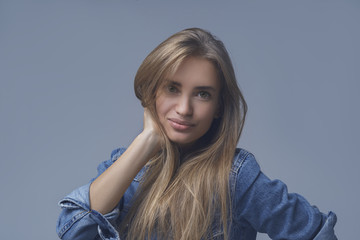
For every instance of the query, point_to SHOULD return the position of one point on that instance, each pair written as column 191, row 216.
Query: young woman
column 182, row 177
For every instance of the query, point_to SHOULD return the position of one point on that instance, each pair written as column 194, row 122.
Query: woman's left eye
column 204, row 95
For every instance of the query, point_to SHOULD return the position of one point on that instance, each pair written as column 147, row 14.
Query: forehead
column 195, row 71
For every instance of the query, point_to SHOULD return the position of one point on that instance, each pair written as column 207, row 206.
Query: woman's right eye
column 172, row 89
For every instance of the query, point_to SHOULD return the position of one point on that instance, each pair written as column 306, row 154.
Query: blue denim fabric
column 258, row 205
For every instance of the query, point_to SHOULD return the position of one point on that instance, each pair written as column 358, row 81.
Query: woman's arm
column 269, row 208
column 107, row 190
column 89, row 212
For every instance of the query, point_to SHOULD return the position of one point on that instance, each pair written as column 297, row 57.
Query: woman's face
column 189, row 100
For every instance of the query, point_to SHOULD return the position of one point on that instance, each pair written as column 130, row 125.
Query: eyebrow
column 207, row 88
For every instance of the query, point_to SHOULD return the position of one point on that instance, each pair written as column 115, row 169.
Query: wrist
column 150, row 140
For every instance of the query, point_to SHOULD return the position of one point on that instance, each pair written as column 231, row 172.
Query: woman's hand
column 151, row 131
column 107, row 190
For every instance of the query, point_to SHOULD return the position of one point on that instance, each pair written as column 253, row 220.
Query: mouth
column 180, row 125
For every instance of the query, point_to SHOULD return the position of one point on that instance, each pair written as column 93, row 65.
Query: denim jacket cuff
column 79, row 201
column 327, row 230
column 105, row 229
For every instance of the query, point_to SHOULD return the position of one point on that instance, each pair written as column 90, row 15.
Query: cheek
column 162, row 106
column 208, row 113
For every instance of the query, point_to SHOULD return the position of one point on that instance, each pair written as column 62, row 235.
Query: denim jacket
column 258, row 205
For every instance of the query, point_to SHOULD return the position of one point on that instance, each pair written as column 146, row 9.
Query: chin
column 182, row 142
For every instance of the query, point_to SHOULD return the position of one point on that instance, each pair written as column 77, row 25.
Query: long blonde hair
column 178, row 198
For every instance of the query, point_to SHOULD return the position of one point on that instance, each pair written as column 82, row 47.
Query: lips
column 179, row 124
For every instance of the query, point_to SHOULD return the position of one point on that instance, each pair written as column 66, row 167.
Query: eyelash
column 173, row 89
column 206, row 97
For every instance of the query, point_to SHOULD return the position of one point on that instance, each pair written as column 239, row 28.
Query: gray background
column 66, row 95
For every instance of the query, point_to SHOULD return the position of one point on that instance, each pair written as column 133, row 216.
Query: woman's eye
column 204, row 95
column 172, row 89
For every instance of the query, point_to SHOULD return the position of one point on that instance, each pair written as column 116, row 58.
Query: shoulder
column 244, row 171
column 115, row 154
column 244, row 160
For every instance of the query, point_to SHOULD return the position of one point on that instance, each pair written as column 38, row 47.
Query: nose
column 184, row 106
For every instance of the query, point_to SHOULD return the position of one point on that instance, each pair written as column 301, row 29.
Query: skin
column 186, row 106
column 107, row 190
column 188, row 102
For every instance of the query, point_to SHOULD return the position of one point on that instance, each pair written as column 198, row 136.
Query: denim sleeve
column 268, row 207
column 77, row 221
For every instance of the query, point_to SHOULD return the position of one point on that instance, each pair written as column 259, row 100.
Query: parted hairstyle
column 179, row 195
